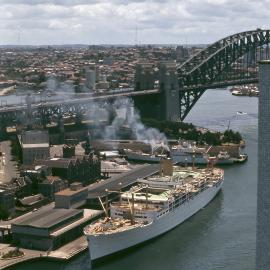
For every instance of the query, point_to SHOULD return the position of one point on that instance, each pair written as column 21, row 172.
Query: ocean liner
column 152, row 207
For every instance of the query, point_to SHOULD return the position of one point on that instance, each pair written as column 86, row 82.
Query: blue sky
column 114, row 21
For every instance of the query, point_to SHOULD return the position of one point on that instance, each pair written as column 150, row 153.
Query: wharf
column 63, row 253
column 80, row 244
column 123, row 180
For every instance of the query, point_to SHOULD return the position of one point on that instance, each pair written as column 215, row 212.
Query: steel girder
column 46, row 113
column 204, row 69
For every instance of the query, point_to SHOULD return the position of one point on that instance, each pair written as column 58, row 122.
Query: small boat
column 241, row 113
column 223, row 158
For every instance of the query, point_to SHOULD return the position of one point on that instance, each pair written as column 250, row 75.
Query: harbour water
column 221, row 236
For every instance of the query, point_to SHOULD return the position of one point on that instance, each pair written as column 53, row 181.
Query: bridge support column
column 44, row 120
column 263, row 190
column 61, row 128
column 29, row 117
column 78, row 119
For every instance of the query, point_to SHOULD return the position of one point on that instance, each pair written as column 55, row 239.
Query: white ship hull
column 188, row 159
column 225, row 161
column 105, row 244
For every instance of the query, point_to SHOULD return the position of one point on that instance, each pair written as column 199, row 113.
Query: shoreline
column 7, row 91
column 62, row 254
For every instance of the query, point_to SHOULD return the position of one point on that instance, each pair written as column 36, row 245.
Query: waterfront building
column 52, row 185
column 85, row 169
column 31, row 202
column 34, row 145
column 263, row 190
column 7, row 200
column 73, row 197
column 68, row 151
column 49, row 229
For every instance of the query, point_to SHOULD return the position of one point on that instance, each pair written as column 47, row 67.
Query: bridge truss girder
column 210, row 67
column 188, row 100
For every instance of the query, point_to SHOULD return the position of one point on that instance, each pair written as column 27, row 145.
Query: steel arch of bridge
column 204, row 69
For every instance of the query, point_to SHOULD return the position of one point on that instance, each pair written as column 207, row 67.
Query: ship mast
column 146, row 196
column 132, row 208
column 105, row 209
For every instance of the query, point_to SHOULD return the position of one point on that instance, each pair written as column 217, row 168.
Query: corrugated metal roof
column 46, row 218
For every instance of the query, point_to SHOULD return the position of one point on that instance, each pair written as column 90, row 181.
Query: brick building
column 84, row 169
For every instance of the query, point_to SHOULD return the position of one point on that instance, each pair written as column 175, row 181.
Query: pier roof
column 47, row 218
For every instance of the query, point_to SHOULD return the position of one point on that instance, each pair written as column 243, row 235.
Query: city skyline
column 51, row 22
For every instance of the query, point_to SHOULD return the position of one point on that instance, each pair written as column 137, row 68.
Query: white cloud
column 114, row 21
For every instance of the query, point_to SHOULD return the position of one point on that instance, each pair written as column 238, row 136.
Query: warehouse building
column 49, row 229
column 86, row 169
column 34, row 145
column 73, row 197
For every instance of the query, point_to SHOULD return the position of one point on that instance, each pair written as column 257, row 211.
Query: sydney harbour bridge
column 179, row 86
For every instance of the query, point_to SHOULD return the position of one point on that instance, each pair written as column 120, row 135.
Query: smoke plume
column 126, row 114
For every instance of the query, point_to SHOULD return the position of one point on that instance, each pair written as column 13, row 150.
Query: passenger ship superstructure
column 152, row 207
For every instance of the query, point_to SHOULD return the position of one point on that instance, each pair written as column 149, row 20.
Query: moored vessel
column 152, row 207
column 187, row 153
column 140, row 156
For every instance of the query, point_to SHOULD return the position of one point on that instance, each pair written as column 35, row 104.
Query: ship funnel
column 166, row 167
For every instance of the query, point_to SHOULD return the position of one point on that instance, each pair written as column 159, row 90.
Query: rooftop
column 35, row 145
column 46, row 218
column 69, row 192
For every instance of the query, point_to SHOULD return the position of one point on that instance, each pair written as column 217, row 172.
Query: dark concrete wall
column 263, row 191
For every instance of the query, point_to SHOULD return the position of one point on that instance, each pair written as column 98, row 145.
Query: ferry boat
column 153, row 207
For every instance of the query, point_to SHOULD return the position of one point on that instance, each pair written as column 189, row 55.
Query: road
column 85, row 100
column 8, row 168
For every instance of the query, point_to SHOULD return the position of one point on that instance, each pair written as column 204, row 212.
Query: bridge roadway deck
column 76, row 101
column 221, row 84
column 126, row 179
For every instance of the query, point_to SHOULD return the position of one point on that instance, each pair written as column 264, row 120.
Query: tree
column 211, row 138
column 231, row 136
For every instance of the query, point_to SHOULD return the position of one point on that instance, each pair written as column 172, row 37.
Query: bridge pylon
column 61, row 127
column 169, row 90
column 164, row 105
column 29, row 112
column 144, row 76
